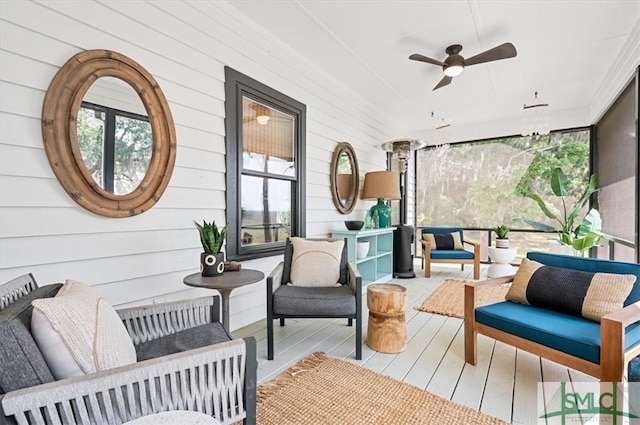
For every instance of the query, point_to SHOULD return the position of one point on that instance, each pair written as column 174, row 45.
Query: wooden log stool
column 387, row 331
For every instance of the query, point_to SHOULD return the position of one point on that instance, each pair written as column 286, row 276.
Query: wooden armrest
column 471, row 288
column 626, row 316
column 483, row 284
column 612, row 346
column 471, row 243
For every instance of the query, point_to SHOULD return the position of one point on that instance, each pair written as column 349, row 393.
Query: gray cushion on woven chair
column 21, row 363
column 188, row 339
column 314, row 302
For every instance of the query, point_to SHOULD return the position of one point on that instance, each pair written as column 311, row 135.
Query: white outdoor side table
column 501, row 259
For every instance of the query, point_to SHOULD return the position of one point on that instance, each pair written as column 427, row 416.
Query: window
column 265, row 139
column 482, row 184
column 116, row 146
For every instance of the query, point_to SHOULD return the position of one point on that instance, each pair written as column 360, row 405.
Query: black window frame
column 237, row 86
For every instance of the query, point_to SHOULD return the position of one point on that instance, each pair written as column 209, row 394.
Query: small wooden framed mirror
column 117, row 79
column 345, row 178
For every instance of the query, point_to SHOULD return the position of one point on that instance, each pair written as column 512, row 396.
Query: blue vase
column 383, row 211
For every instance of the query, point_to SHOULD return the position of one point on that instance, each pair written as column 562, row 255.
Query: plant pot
column 212, row 264
column 502, row 243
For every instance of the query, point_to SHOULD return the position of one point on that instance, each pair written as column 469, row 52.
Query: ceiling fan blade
column 503, row 51
column 445, row 81
column 421, row 58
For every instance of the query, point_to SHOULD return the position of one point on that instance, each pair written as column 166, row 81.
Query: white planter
column 502, row 243
column 557, row 248
column 363, row 250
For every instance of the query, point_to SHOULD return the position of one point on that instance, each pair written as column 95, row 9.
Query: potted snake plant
column 502, row 236
column 211, row 238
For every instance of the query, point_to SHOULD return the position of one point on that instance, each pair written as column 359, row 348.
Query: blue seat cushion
column 572, row 335
column 300, row 301
column 457, row 254
column 634, row 370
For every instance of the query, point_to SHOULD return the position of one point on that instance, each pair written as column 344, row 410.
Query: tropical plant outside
column 580, row 235
column 476, row 184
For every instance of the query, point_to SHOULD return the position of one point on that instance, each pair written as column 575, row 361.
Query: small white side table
column 501, row 258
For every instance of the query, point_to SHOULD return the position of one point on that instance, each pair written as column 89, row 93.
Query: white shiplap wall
column 185, row 46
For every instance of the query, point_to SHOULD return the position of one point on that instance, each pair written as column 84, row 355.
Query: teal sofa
column 602, row 350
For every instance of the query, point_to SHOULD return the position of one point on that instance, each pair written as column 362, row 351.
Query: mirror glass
column 114, row 135
column 345, row 178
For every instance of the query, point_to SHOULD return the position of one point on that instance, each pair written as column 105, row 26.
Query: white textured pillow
column 316, row 263
column 78, row 332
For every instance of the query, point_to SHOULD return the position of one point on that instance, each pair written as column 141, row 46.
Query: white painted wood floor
column 503, row 383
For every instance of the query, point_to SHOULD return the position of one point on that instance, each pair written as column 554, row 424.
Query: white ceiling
column 566, row 52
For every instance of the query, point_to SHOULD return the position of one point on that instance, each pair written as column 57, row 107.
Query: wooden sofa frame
column 613, row 357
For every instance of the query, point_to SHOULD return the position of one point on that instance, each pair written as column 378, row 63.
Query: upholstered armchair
column 186, row 360
column 315, row 280
column 446, row 245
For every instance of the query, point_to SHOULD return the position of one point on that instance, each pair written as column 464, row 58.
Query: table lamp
column 381, row 185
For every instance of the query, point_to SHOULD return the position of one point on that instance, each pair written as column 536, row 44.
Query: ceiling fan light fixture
column 263, row 119
column 453, row 70
column 454, row 64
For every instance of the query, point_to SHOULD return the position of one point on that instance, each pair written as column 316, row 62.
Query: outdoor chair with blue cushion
column 446, row 245
column 315, row 280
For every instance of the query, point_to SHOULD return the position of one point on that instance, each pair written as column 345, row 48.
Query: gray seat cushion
column 188, row 339
column 314, row 302
column 21, row 363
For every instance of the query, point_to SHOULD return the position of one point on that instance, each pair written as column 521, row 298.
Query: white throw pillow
column 78, row 332
column 316, row 263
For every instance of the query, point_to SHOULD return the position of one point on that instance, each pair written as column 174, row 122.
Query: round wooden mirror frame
column 344, row 147
column 61, row 105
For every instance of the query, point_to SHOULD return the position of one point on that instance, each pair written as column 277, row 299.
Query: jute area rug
column 325, row 391
column 448, row 298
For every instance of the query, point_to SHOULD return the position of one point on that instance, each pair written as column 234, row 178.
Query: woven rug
column 324, row 391
column 448, row 298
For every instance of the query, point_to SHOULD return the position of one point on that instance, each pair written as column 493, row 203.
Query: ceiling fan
column 454, row 64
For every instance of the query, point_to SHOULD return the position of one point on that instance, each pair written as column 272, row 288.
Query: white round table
column 501, row 259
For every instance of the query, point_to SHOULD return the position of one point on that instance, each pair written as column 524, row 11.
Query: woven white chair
column 218, row 380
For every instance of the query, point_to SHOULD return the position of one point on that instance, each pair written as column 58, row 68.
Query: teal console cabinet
column 377, row 266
